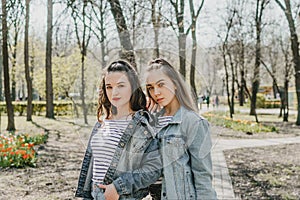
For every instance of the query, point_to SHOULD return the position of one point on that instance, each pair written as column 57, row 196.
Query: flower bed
column 18, row 151
column 220, row 119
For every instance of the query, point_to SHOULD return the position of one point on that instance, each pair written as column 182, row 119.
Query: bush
column 260, row 101
column 39, row 107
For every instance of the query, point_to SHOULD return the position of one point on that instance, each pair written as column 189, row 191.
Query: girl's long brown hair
column 137, row 99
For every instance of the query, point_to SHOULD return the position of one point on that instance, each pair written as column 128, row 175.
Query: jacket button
column 130, row 126
column 122, row 144
column 145, row 132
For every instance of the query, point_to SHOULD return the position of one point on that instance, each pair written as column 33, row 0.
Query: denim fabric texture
column 185, row 146
column 135, row 165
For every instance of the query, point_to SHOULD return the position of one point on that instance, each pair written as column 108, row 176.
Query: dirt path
column 56, row 174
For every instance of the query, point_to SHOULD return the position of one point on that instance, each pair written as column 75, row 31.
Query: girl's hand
column 110, row 192
column 152, row 106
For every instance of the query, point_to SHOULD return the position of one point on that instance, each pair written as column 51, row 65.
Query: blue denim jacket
column 135, row 165
column 185, row 145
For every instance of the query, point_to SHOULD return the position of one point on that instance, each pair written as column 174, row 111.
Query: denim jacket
column 185, row 145
column 135, row 165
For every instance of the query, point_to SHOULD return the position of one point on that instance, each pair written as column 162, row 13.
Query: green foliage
column 62, row 107
column 220, row 119
column 18, row 151
column 260, row 100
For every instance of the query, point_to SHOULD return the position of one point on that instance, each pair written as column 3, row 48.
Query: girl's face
column 118, row 89
column 161, row 88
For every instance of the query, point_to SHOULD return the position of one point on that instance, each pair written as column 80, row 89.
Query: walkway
column 222, row 181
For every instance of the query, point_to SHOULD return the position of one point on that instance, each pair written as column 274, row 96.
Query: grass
column 240, row 123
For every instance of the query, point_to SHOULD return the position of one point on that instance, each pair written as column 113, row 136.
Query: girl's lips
column 159, row 100
column 116, row 99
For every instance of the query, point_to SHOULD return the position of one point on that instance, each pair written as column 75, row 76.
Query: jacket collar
column 177, row 118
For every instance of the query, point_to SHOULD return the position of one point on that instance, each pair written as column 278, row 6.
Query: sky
column 207, row 34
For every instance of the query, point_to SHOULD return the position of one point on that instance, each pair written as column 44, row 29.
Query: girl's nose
column 115, row 90
column 156, row 90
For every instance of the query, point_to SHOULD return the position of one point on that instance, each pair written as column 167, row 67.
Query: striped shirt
column 163, row 121
column 104, row 144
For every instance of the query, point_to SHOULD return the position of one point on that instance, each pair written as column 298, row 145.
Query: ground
column 257, row 173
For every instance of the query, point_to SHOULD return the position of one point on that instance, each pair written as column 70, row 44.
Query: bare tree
column 83, row 42
column 287, row 76
column 9, row 106
column 179, row 7
column 194, row 17
column 124, row 36
column 49, row 84
column 156, row 23
column 16, row 16
column 26, row 61
column 260, row 7
column 1, row 68
column 295, row 48
column 225, row 53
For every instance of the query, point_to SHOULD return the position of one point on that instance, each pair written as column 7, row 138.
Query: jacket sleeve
column 199, row 146
column 85, row 177
column 147, row 174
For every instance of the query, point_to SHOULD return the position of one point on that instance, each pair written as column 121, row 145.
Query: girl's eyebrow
column 121, row 82
column 149, row 84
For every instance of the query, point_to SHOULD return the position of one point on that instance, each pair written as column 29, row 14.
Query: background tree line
column 254, row 39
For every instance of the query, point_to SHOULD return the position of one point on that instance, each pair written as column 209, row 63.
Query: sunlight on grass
column 238, row 124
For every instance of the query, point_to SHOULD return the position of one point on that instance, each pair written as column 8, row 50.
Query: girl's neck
column 172, row 108
column 123, row 114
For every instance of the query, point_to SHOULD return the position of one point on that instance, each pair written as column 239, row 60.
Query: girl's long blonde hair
column 183, row 94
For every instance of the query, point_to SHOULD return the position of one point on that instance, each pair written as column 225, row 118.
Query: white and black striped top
column 163, row 120
column 103, row 145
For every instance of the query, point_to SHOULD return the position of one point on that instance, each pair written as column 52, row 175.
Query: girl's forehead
column 154, row 75
column 116, row 76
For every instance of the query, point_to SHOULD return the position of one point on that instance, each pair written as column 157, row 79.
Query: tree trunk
column 82, row 94
column 26, row 61
column 296, row 56
column 49, row 85
column 182, row 53
column 1, row 68
column 286, row 100
column 295, row 50
column 156, row 23
column 13, row 68
column 194, row 17
column 124, row 36
column 232, row 85
column 9, row 106
column 256, row 75
column 241, row 95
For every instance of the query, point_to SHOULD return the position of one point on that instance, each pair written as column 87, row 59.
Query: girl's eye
column 150, row 88
column 161, row 84
column 108, row 87
column 120, row 86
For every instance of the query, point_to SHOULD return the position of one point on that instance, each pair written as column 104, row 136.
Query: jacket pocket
column 174, row 147
column 140, row 141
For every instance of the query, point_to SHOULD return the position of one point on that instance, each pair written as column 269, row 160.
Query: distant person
column 217, row 101
column 200, row 101
column 122, row 157
column 207, row 101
